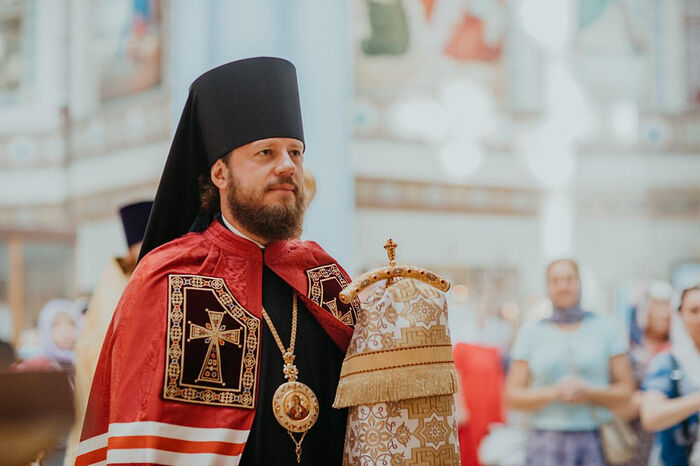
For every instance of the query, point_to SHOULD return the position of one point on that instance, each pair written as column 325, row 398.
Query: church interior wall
column 97, row 242
column 634, row 204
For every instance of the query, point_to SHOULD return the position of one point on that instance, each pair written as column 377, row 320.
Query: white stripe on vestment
column 173, row 431
column 92, row 444
column 149, row 455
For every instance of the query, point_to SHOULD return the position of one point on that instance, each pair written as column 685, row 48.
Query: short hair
column 685, row 292
column 569, row 261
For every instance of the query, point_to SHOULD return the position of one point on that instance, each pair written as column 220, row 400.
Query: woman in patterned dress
column 671, row 400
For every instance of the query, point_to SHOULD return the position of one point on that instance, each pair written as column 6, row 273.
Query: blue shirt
column 553, row 354
column 671, row 446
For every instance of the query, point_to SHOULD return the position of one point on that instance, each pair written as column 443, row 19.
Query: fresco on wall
column 15, row 49
column 434, row 56
column 692, row 21
column 128, row 37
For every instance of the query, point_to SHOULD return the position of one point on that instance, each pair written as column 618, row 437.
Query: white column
column 322, row 52
column 558, row 214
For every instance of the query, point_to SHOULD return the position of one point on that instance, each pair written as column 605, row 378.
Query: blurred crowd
column 582, row 388
column 575, row 388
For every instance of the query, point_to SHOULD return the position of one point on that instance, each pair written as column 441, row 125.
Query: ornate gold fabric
column 420, row 431
column 398, row 378
column 400, row 349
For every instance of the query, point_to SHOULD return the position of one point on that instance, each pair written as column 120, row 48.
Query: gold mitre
column 401, row 346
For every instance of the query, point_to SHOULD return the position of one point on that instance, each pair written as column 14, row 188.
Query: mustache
column 283, row 180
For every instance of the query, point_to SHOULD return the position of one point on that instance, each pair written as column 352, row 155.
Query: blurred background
column 486, row 137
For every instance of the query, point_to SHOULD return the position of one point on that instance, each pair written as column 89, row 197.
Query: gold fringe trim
column 382, row 360
column 396, row 384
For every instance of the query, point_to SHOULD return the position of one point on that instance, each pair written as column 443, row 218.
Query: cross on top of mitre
column 390, row 247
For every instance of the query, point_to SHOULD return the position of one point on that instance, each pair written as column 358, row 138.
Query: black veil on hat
column 228, row 107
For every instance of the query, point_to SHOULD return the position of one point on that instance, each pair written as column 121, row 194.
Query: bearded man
column 228, row 318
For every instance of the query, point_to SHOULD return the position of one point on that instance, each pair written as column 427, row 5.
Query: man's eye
column 295, row 153
column 265, row 152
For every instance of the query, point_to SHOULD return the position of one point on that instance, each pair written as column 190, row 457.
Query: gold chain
column 290, row 370
column 297, row 445
column 277, row 338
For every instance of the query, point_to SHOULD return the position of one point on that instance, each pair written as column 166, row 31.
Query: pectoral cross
column 216, row 335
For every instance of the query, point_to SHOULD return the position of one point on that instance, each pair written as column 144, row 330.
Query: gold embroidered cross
column 216, row 335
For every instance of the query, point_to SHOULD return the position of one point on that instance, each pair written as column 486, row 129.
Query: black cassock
column 319, row 361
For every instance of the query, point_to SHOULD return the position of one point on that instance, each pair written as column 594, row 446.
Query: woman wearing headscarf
column 59, row 325
column 671, row 399
column 568, row 371
column 649, row 335
column 652, row 319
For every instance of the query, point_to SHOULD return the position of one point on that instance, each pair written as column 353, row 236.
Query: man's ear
column 219, row 174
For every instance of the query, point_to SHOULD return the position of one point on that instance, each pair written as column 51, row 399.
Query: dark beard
column 270, row 223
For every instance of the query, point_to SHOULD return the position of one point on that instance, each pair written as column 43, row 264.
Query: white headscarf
column 658, row 289
column 684, row 350
column 686, row 353
column 46, row 317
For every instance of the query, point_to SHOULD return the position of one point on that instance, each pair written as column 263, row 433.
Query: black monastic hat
column 228, row 107
column 134, row 220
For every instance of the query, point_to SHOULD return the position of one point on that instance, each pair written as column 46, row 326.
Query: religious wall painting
column 389, row 28
column 692, row 21
column 16, row 48
column 465, row 31
column 129, row 38
column 611, row 54
column 212, row 345
column 411, row 50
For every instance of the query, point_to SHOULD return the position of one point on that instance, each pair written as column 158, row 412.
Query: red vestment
column 160, row 394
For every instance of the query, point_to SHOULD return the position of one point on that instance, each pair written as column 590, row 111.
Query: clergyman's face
column 265, row 187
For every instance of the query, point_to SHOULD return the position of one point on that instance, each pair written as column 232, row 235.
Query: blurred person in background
column 59, row 326
column 671, row 399
column 479, row 400
column 309, row 186
column 653, row 320
column 7, row 356
column 562, row 369
column 649, row 335
column 109, row 289
column 7, row 352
